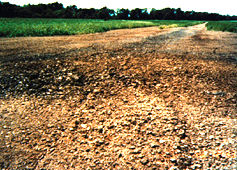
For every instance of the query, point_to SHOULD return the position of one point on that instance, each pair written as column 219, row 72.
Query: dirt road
column 126, row 99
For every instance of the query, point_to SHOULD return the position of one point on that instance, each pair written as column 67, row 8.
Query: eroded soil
column 126, row 99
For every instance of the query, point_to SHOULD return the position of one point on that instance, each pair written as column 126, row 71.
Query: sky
column 224, row 7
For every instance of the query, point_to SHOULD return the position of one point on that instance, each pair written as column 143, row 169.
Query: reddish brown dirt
column 126, row 99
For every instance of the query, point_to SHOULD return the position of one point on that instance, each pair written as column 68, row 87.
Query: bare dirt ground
column 126, row 99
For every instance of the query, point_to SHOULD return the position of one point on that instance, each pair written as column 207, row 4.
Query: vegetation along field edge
column 16, row 27
column 229, row 26
column 22, row 27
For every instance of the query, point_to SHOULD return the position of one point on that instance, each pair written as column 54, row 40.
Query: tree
column 135, row 13
column 144, row 15
column 56, row 10
column 55, row 6
column 168, row 14
column 179, row 14
column 156, row 14
column 105, row 13
column 138, row 13
column 123, row 14
column 8, row 10
column 71, row 12
column 87, row 13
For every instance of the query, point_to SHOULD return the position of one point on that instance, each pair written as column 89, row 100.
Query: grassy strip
column 222, row 26
column 15, row 27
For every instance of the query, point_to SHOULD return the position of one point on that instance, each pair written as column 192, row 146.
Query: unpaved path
column 62, row 44
column 126, row 99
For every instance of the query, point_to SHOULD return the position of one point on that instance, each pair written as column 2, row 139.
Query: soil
column 140, row 98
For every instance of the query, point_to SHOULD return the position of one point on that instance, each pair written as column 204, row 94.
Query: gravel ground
column 125, row 99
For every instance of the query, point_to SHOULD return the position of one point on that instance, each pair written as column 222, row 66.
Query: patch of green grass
column 179, row 23
column 16, row 27
column 222, row 26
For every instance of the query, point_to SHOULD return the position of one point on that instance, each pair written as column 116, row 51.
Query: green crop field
column 15, row 27
column 230, row 26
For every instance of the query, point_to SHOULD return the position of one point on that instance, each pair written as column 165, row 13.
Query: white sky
column 223, row 7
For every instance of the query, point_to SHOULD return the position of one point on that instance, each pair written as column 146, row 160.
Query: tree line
column 57, row 10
